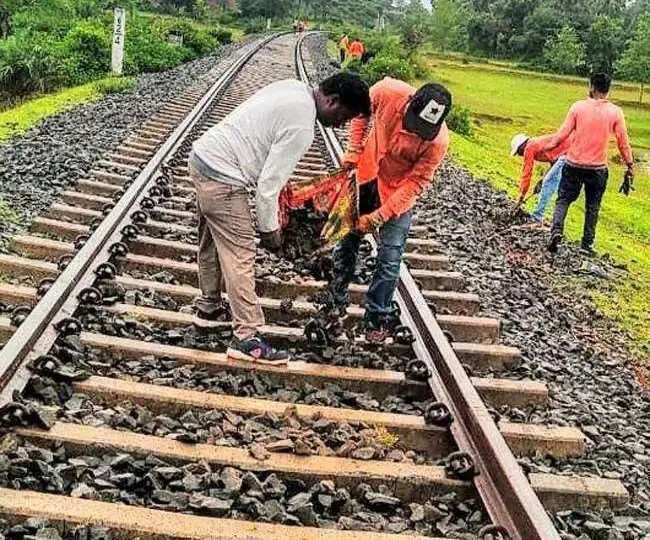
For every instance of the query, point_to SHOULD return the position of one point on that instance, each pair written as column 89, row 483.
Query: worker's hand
column 370, row 222
column 271, row 240
column 349, row 165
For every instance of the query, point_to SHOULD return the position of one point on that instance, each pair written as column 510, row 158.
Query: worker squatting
column 398, row 139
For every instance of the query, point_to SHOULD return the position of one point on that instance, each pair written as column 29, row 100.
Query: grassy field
column 19, row 119
column 503, row 103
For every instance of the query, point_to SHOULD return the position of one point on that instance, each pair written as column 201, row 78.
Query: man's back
column 593, row 121
column 237, row 147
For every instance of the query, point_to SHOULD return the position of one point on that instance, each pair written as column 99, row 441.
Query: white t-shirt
column 259, row 144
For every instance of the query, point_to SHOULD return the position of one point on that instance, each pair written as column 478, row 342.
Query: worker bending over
column 591, row 122
column 257, row 146
column 531, row 150
column 356, row 49
column 394, row 163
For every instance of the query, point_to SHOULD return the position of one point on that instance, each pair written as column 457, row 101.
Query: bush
column 147, row 48
column 198, row 41
column 228, row 18
column 222, row 35
column 86, row 51
column 459, row 120
column 27, row 64
column 113, row 85
column 255, row 26
column 388, row 65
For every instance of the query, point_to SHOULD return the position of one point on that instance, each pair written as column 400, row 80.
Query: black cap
column 427, row 111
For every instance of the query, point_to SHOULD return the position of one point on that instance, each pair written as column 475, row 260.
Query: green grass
column 19, row 119
column 504, row 103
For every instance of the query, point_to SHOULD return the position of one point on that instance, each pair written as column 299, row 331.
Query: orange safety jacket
column 535, row 152
column 402, row 162
column 356, row 49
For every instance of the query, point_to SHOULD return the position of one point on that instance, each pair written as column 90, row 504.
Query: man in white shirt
column 256, row 146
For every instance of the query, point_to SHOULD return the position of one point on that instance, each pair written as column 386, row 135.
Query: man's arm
column 356, row 137
column 623, row 141
column 563, row 133
column 289, row 146
column 359, row 128
column 418, row 179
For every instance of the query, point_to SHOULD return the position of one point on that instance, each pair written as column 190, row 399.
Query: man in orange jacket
column 356, row 49
column 395, row 162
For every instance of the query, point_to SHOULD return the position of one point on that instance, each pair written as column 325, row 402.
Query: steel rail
column 36, row 335
column 502, row 485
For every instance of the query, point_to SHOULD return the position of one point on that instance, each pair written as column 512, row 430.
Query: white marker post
column 118, row 41
column 268, row 24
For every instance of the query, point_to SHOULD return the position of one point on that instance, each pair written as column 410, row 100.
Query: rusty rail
column 37, row 334
column 502, row 485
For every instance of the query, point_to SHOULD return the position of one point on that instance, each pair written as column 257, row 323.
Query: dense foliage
column 53, row 43
column 568, row 37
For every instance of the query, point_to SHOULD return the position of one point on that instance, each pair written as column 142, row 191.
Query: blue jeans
column 392, row 240
column 549, row 187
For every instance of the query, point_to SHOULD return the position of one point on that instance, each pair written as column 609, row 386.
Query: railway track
column 113, row 398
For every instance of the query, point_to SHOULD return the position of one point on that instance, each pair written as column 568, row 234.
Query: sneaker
column 257, row 350
column 377, row 335
column 212, row 319
column 554, row 243
column 378, row 329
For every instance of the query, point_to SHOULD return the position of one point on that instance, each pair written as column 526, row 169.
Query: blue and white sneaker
column 257, row 350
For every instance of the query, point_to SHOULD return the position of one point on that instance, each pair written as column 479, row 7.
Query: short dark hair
column 428, row 92
column 353, row 92
column 601, row 82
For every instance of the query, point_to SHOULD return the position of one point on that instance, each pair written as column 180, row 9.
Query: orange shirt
column 356, row 49
column 535, row 152
column 402, row 162
column 592, row 122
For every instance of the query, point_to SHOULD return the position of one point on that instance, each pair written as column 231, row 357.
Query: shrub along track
column 143, row 410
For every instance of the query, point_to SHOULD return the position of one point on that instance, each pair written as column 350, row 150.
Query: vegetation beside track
column 19, row 119
column 55, row 44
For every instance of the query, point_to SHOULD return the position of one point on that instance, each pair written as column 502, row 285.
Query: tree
column 447, row 29
column 265, row 8
column 635, row 62
column 414, row 26
column 564, row 52
column 5, row 26
column 604, row 43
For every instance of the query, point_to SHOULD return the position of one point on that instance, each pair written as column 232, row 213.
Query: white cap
column 517, row 141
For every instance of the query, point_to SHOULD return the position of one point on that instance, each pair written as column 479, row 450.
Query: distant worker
column 356, row 49
column 530, row 150
column 301, row 26
column 344, row 45
column 256, row 146
column 295, row 26
column 591, row 122
column 395, row 162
